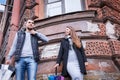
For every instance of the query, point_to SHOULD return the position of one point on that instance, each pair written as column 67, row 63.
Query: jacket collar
column 67, row 37
column 23, row 30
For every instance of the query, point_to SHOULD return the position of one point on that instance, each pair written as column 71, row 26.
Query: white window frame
column 63, row 11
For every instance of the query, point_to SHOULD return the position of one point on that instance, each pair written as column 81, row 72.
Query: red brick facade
column 109, row 10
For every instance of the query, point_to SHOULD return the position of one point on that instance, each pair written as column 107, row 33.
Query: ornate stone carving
column 108, row 9
column 30, row 4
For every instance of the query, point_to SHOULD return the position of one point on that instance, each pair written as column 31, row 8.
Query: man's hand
column 7, row 62
column 33, row 32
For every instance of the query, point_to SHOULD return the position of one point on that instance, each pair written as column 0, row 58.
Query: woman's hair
column 75, row 38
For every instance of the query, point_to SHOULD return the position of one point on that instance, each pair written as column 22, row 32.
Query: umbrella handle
column 56, row 71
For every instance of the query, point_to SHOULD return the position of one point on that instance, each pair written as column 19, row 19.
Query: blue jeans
column 26, row 64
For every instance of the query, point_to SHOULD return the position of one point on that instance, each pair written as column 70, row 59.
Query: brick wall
column 106, row 9
column 98, row 48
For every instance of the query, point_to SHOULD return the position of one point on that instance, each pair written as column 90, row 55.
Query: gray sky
column 1, row 6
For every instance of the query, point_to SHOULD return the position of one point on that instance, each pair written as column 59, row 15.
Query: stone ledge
column 74, row 16
column 106, row 76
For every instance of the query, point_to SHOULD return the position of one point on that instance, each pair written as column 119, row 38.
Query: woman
column 72, row 54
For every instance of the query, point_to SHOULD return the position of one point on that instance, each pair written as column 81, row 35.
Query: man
column 25, row 50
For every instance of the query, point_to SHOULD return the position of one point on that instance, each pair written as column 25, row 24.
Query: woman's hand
column 86, row 63
column 56, row 65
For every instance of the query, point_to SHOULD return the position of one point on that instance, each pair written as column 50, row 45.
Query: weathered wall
column 98, row 47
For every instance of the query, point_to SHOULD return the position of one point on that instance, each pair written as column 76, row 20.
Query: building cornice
column 69, row 17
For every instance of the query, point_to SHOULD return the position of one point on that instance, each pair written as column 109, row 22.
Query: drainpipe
column 13, row 24
column 1, row 35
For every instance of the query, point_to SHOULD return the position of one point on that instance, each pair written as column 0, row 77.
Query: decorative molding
column 101, row 3
column 30, row 4
column 69, row 17
column 108, row 8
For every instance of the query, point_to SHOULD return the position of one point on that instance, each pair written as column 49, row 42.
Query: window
column 56, row 7
column 50, row 1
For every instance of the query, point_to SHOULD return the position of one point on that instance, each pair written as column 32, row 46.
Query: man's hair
column 28, row 19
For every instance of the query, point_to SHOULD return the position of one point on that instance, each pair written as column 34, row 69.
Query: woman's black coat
column 63, row 57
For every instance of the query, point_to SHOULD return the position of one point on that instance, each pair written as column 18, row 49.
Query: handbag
column 55, row 77
column 6, row 71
